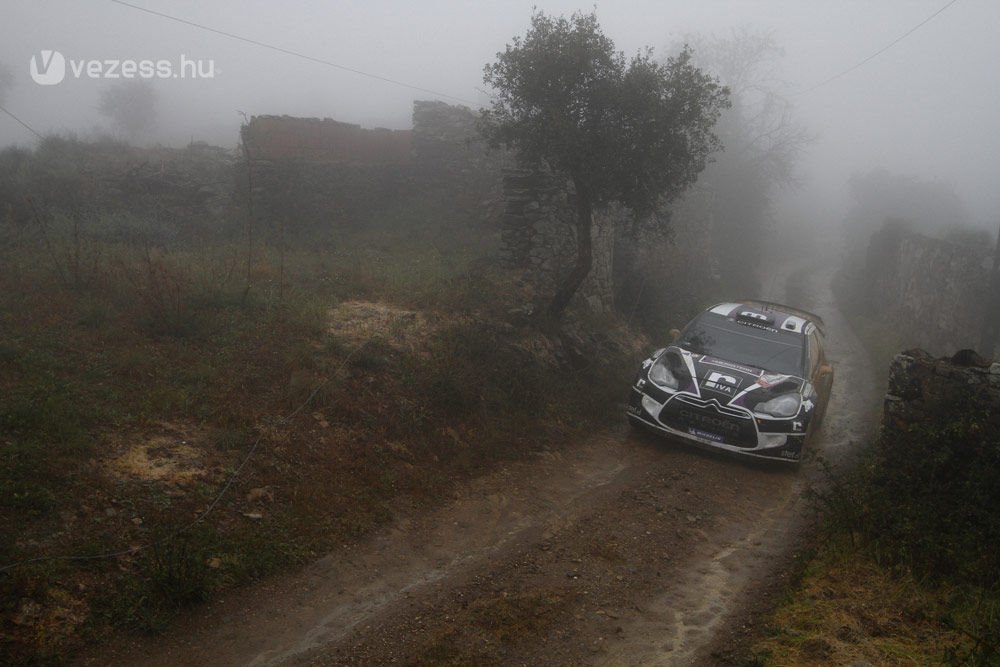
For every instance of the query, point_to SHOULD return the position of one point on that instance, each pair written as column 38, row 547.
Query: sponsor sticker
column 722, row 383
column 722, row 363
column 705, row 434
column 761, row 317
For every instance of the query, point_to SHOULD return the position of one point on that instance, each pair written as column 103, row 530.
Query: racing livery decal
column 741, row 378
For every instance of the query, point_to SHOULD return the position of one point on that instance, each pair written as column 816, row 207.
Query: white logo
column 49, row 69
column 727, row 384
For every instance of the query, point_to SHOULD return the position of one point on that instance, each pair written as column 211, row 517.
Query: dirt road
column 621, row 550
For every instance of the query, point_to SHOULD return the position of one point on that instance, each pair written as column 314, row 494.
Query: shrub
column 934, row 495
column 925, row 501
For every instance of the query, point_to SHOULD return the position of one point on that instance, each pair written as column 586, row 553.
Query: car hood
column 732, row 383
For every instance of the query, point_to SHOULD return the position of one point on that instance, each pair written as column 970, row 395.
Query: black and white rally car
column 749, row 378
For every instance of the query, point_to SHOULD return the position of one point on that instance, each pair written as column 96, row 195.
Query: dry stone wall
column 933, row 290
column 318, row 176
column 925, row 389
column 538, row 237
column 324, row 140
column 446, row 141
column 312, row 175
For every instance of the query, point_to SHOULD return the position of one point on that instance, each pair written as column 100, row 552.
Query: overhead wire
column 22, row 123
column 877, row 53
column 296, row 54
column 396, row 82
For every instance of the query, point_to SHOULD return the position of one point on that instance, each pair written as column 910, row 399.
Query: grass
column 906, row 568
column 136, row 373
column 849, row 608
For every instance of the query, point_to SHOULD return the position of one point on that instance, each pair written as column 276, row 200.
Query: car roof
column 769, row 315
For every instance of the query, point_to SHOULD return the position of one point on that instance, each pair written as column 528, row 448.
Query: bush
column 925, row 501
column 934, row 495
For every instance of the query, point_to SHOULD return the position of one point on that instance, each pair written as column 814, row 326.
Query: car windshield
column 771, row 350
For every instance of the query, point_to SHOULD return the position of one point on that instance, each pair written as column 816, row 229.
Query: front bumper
column 741, row 439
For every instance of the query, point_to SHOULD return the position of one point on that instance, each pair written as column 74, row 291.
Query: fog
column 927, row 106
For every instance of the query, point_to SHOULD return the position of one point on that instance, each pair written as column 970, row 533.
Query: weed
column 176, row 568
column 172, row 573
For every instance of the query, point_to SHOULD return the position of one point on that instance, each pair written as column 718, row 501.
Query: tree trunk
column 584, row 254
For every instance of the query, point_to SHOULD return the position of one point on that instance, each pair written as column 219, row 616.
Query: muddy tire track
column 619, row 550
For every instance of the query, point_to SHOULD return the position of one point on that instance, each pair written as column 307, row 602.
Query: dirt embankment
column 617, row 550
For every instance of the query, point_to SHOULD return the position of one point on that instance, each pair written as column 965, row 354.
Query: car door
column 820, row 372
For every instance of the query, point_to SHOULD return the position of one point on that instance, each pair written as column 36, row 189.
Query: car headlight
column 785, row 405
column 661, row 376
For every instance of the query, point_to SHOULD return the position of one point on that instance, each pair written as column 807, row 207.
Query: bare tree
column 763, row 141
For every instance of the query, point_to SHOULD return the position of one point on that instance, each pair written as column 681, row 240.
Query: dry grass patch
column 175, row 454
column 849, row 609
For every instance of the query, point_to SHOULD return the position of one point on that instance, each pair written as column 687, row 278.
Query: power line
column 23, row 124
column 877, row 53
column 289, row 52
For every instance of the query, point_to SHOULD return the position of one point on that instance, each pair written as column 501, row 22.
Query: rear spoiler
column 791, row 310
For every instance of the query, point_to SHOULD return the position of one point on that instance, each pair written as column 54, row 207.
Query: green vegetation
column 636, row 133
column 142, row 368
column 907, row 571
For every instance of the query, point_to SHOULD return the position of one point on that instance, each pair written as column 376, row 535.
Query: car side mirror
column 675, row 334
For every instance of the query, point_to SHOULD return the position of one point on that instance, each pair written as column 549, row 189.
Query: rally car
column 750, row 378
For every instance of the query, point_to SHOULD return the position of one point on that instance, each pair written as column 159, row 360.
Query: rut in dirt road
column 620, row 550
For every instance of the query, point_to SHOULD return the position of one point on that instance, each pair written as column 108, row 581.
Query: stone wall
column 158, row 193
column 933, row 290
column 538, row 238
column 323, row 140
column 924, row 389
column 312, row 176
column 446, row 140
column 316, row 177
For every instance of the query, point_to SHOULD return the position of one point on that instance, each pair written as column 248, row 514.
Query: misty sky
column 928, row 107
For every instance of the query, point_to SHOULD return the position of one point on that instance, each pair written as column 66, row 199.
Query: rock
column 969, row 358
column 259, row 494
column 904, row 381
